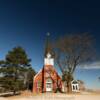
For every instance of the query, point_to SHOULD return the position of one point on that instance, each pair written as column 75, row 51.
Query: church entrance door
column 49, row 85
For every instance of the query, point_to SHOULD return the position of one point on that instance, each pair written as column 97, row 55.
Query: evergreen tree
column 14, row 69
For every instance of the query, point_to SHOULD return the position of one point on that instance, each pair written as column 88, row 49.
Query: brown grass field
column 53, row 96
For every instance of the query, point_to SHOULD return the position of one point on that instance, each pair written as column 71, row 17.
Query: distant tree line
column 16, row 72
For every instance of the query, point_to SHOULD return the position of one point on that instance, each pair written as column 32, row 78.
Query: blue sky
column 26, row 22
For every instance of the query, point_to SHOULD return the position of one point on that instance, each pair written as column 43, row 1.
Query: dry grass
column 26, row 95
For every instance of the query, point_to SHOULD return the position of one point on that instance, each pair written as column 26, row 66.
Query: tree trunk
column 69, row 88
column 14, row 92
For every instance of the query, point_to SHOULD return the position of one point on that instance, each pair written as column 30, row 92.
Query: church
column 47, row 79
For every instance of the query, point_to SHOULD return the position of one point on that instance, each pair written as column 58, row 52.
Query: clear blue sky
column 26, row 22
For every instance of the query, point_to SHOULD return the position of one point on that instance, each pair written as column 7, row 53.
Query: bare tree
column 71, row 51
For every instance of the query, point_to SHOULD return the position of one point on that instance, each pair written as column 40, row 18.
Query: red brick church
column 47, row 79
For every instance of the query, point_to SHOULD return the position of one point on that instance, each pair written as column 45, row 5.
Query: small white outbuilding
column 75, row 86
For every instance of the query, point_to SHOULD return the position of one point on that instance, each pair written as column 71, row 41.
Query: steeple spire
column 47, row 45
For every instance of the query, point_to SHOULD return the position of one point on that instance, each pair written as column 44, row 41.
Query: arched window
column 73, row 87
column 76, row 87
column 49, row 80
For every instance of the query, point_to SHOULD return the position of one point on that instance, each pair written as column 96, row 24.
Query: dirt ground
column 53, row 96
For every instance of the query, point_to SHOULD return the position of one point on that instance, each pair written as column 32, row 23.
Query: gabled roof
column 74, row 82
column 44, row 67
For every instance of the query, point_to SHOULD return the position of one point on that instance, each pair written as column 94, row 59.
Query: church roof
column 47, row 66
